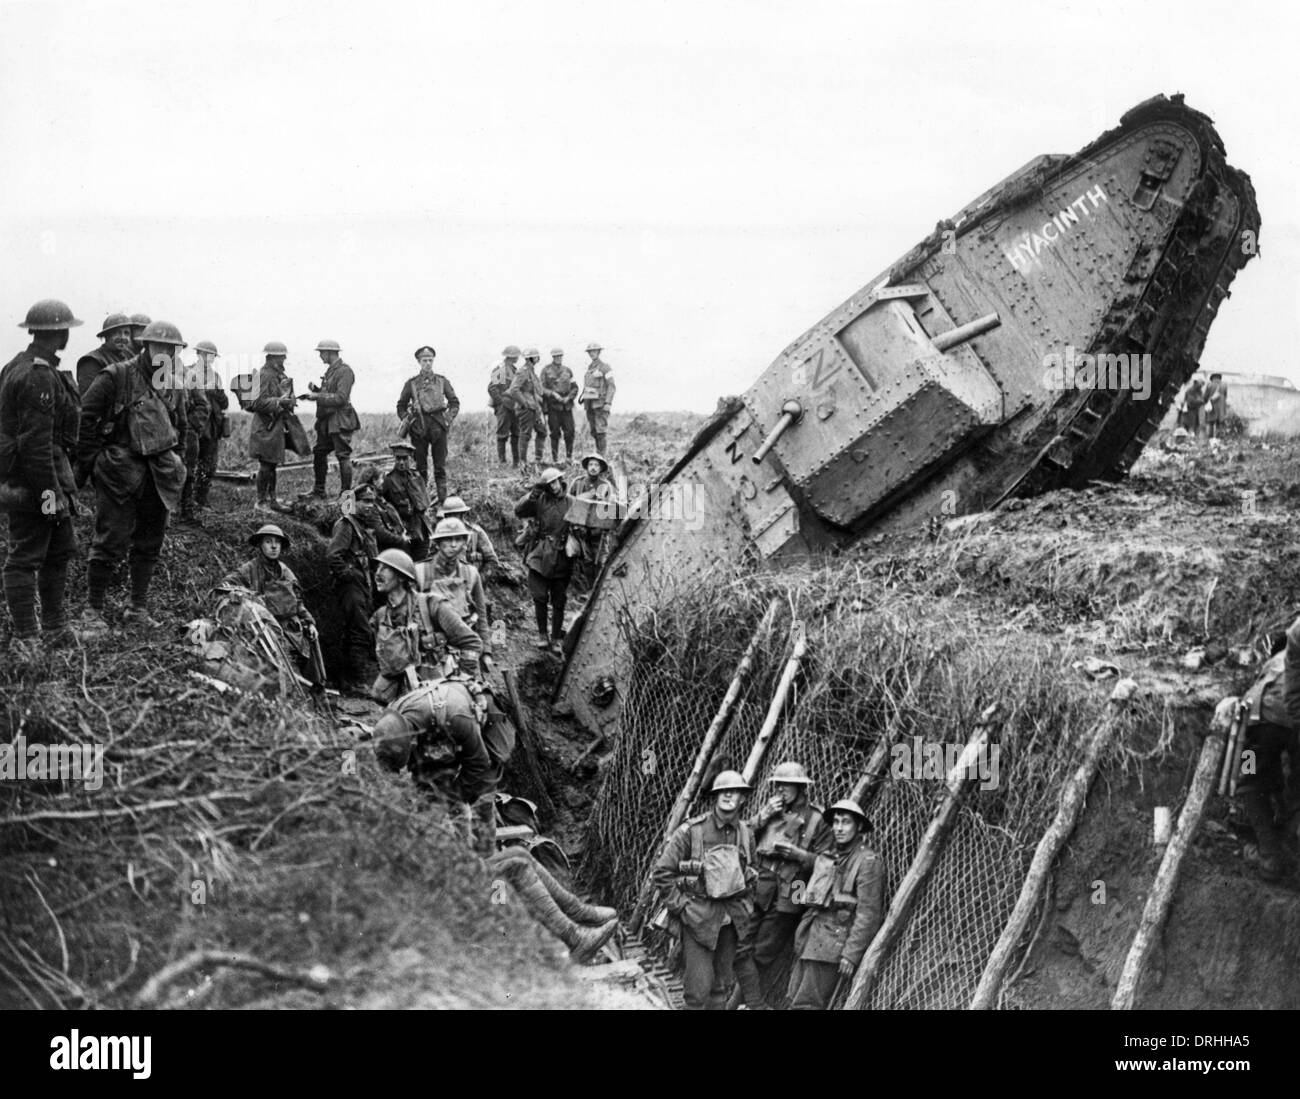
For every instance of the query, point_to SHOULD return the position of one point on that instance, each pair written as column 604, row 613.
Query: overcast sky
column 692, row 184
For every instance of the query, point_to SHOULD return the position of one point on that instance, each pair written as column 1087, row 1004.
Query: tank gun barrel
column 968, row 331
column 791, row 413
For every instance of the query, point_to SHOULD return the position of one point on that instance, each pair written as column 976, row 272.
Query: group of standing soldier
column 529, row 406
column 133, row 423
column 787, row 886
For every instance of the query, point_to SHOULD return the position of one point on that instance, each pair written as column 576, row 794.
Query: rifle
column 317, row 661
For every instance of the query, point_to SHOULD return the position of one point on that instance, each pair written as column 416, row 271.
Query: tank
column 1031, row 342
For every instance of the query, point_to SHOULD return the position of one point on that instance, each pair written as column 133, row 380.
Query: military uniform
column 354, row 543
column 597, row 398
column 406, row 491
column 479, row 551
column 559, row 391
column 1265, row 793
column 433, row 406
column 94, row 363
column 39, row 410
column 445, row 747
column 421, row 628
column 462, row 586
column 131, row 442
column 710, row 924
column 211, row 432
column 275, row 583
column 844, row 902
column 336, row 420
column 274, row 424
column 503, row 376
column 549, row 566
column 776, row 911
column 526, row 392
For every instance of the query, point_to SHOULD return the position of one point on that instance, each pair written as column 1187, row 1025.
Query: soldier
column 584, row 928
column 1216, row 406
column 559, row 391
column 503, row 376
column 430, row 404
column 845, row 900
column 133, row 435
column 406, row 491
column 478, row 549
column 272, row 406
column 457, row 581
column 267, row 576
column 790, row 833
column 336, row 419
column 546, row 557
column 354, row 544
column 117, row 345
column 435, row 731
column 415, row 630
column 139, row 322
column 597, row 396
column 38, row 437
column 526, row 391
column 597, row 485
column 214, row 429
column 1271, row 720
column 706, row 875
column 198, row 413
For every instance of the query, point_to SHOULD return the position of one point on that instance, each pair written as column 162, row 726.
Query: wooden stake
column 1072, row 800
column 900, row 908
column 1166, row 880
column 711, row 737
column 777, row 704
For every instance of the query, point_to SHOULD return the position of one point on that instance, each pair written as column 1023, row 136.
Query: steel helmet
column 511, row 352
column 454, row 505
column 162, row 332
column 557, row 352
column 140, row 320
column 603, row 691
column 594, row 455
column 269, row 530
column 450, row 528
column 398, row 561
column 729, row 780
column 328, row 345
column 401, row 447
column 532, row 353
column 275, row 347
column 848, row 805
column 792, row 773
column 594, row 346
column 114, row 321
column 49, row 315
column 549, row 475
column 208, row 346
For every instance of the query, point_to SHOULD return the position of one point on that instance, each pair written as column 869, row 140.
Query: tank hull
column 1031, row 342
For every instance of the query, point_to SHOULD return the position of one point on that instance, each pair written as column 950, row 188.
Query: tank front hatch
column 856, row 412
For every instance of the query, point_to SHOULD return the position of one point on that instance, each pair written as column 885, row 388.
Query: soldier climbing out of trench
column 706, row 875
column 844, row 904
column 1265, row 794
column 790, row 832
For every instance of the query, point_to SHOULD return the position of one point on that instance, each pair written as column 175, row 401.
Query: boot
column 141, row 573
column 440, row 487
column 514, row 449
column 138, row 615
column 1259, row 812
column 20, row 593
column 345, row 475
column 51, row 583
column 91, row 625
column 99, row 575
column 501, row 451
column 320, row 466
column 573, row 906
column 582, row 942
